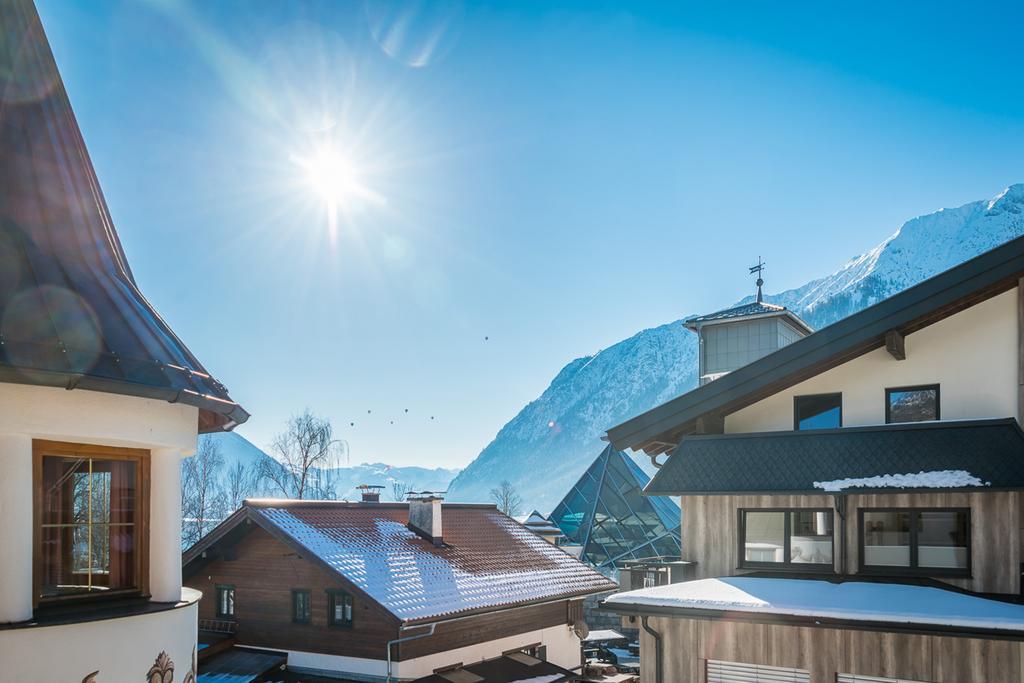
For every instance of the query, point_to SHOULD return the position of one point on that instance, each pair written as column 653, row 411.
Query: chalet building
column 375, row 591
column 543, row 527
column 99, row 401
column 852, row 504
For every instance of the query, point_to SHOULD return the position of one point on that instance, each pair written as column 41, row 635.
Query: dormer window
column 91, row 518
column 819, row 411
column 912, row 404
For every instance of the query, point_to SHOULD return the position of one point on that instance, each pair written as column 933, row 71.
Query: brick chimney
column 425, row 516
column 371, row 493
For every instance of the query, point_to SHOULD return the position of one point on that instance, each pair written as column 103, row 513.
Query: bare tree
column 306, row 455
column 242, row 481
column 399, row 490
column 201, row 495
column 506, row 498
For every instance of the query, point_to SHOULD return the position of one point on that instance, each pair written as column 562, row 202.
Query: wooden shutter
column 734, row 672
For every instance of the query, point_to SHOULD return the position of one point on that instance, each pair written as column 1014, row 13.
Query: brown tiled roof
column 488, row 560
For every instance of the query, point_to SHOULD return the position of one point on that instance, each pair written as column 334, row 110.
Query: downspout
column 405, row 640
column 840, row 499
column 658, row 674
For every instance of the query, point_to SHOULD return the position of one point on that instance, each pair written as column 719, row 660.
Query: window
column 301, row 606
column 912, row 404
column 225, row 601
column 339, row 608
column 918, row 541
column 92, row 513
column 796, row 538
column 821, row 411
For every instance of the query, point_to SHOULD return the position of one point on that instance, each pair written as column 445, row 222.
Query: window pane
column 818, row 412
column 914, row 405
column 942, row 539
column 887, row 539
column 811, row 541
column 765, row 536
column 88, row 533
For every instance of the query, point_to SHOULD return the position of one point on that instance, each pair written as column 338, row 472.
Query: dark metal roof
column 791, row 462
column 71, row 314
column 658, row 430
column 239, row 665
column 512, row 668
column 752, row 309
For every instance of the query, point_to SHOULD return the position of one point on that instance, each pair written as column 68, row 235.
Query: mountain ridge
column 546, row 447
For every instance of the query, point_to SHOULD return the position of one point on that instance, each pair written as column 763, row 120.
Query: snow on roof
column 603, row 634
column 487, row 560
column 849, row 600
column 943, row 479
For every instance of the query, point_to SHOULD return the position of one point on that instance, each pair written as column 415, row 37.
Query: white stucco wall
column 972, row 356
column 563, row 649
column 168, row 431
column 121, row 650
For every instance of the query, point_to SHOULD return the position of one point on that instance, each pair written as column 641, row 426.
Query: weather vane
column 759, row 269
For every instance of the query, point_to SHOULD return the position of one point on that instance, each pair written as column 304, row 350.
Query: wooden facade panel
column 710, row 534
column 825, row 652
column 485, row 627
column 891, row 655
column 963, row 659
column 264, row 574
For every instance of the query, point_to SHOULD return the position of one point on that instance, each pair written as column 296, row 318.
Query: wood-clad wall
column 688, row 643
column 266, row 571
column 710, row 531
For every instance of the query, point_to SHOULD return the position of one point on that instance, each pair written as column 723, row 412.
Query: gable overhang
column 660, row 429
column 788, row 316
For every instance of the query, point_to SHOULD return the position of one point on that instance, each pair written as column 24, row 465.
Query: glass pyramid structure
column 607, row 513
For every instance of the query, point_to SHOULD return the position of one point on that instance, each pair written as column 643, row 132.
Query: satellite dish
column 581, row 630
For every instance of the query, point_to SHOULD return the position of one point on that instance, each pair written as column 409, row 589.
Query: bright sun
column 332, row 175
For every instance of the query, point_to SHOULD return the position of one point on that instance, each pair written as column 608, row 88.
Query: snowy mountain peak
column 546, row 447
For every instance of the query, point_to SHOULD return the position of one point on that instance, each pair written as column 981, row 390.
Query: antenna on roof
column 759, row 269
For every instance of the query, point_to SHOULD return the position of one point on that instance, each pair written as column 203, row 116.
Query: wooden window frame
column 914, row 387
column 309, row 606
column 796, row 415
column 914, row 569
column 787, row 565
column 42, row 448
column 217, row 588
column 332, row 595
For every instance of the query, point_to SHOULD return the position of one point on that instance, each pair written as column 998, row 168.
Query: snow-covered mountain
column 236, row 448
column 546, row 447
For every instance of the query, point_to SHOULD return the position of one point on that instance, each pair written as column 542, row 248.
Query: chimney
column 425, row 515
column 371, row 493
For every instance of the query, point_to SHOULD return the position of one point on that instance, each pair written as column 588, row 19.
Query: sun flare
column 332, row 175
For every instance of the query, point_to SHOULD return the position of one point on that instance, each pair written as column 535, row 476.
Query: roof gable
column 659, row 430
column 754, row 309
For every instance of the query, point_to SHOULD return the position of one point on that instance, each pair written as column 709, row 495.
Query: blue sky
column 534, row 180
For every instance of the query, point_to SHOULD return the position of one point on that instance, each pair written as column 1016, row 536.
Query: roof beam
column 895, row 345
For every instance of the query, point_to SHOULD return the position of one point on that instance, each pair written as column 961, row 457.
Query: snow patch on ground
column 941, row 479
column 850, row 600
